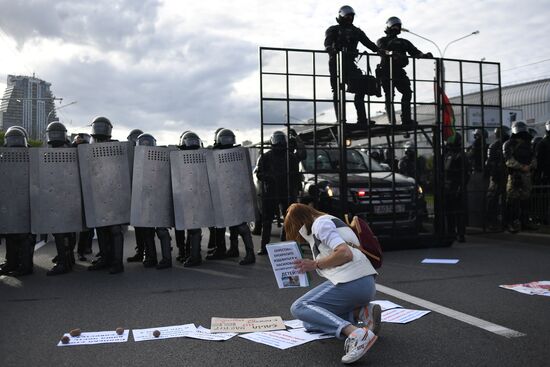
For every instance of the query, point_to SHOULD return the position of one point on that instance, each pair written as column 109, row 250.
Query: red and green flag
column 448, row 116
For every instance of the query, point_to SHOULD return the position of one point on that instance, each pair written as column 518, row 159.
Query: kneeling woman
column 339, row 303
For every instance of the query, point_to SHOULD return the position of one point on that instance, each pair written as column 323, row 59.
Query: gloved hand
column 331, row 50
column 428, row 55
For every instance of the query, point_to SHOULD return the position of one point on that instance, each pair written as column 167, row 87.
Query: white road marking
column 457, row 315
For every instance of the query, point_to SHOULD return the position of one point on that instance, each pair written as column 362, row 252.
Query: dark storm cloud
column 104, row 24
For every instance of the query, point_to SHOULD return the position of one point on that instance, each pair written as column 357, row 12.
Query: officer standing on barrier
column 496, row 168
column 19, row 246
column 56, row 137
column 412, row 166
column 191, row 141
column 457, row 174
column 278, row 173
column 520, row 161
column 110, row 238
column 542, row 154
column 150, row 259
column 225, row 139
column 85, row 237
column 139, row 234
column 345, row 37
column 394, row 76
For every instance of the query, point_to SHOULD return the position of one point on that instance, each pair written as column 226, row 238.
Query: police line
column 59, row 190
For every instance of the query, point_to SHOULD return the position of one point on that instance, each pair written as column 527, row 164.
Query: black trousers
column 403, row 85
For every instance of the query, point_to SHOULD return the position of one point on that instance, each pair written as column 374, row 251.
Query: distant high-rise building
column 27, row 102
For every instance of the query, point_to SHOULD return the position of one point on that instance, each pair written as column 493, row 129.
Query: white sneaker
column 371, row 316
column 357, row 344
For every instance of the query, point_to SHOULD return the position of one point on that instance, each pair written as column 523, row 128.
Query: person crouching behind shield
column 343, row 300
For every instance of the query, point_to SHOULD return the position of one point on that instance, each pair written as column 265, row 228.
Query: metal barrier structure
column 352, row 168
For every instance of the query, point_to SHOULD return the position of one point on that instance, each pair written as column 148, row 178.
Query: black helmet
column 132, row 137
column 392, row 21
column 15, row 137
column 409, row 147
column 56, row 132
column 101, row 127
column 455, row 140
column 519, row 127
column 533, row 132
column 216, row 134
column 82, row 138
column 502, row 132
column 536, row 140
column 225, row 137
column 346, row 14
column 146, row 140
column 547, row 126
column 190, row 140
column 480, row 133
column 278, row 139
column 375, row 154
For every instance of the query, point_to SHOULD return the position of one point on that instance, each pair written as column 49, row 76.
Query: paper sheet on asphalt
column 440, row 261
column 249, row 325
column 285, row 339
column 540, row 288
column 386, row 305
column 96, row 337
column 402, row 315
column 166, row 332
column 205, row 334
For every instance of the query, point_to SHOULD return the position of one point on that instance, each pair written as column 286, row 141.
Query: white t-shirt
column 327, row 233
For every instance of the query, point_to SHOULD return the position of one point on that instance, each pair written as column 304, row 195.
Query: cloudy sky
column 169, row 66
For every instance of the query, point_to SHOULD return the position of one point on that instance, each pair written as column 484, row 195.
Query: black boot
column 165, row 248
column 219, row 239
column 233, row 243
column 63, row 265
column 117, row 252
column 194, row 237
column 26, row 253
column 249, row 258
column 140, row 246
column 11, row 256
column 150, row 260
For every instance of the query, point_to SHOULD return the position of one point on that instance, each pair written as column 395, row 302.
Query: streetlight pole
column 441, row 54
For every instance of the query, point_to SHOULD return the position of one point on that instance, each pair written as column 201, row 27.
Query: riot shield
column 233, row 194
column 105, row 178
column 191, row 191
column 152, row 204
column 15, row 213
column 56, row 200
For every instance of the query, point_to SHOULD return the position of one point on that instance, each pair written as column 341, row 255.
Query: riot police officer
column 216, row 238
column 542, row 172
column 477, row 149
column 278, row 173
column 456, row 179
column 56, row 137
column 496, row 169
column 150, row 259
column 19, row 246
column 225, row 139
column 133, row 136
column 110, row 238
column 345, row 37
column 520, row 162
column 394, row 76
column 192, row 247
column 85, row 237
column 139, row 234
column 412, row 166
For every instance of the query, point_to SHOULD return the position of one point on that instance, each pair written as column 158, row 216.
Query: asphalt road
column 36, row 310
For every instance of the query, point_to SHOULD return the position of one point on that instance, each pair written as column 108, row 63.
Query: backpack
column 369, row 242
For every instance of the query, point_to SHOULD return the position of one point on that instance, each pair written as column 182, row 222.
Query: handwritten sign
column 227, row 325
column 99, row 337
